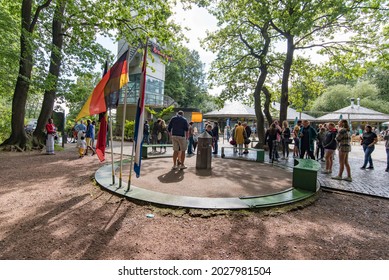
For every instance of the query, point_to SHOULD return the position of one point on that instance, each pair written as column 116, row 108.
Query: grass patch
column 58, row 148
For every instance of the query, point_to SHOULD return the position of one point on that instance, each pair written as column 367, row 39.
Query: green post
column 261, row 155
column 144, row 151
column 305, row 174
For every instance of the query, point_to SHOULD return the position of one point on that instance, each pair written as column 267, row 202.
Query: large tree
column 185, row 81
column 70, row 42
column 150, row 19
column 313, row 24
column 244, row 58
column 54, row 69
column 29, row 21
column 301, row 25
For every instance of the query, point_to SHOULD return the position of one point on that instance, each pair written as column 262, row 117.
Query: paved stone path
column 372, row 182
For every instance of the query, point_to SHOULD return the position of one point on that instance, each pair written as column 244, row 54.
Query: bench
column 146, row 146
column 260, row 153
column 305, row 174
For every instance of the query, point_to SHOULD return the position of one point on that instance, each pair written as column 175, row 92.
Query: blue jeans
column 215, row 147
column 146, row 139
column 368, row 151
column 190, row 145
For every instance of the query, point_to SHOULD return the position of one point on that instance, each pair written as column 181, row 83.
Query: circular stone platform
column 230, row 184
column 227, row 178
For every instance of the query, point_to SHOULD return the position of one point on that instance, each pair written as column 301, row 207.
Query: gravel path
column 50, row 208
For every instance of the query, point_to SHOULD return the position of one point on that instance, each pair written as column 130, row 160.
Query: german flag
column 113, row 80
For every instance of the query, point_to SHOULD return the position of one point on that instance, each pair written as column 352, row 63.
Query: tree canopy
column 345, row 31
column 185, row 81
column 57, row 40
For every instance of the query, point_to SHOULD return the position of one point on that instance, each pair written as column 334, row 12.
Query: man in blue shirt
column 81, row 129
column 178, row 129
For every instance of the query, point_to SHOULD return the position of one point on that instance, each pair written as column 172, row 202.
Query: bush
column 129, row 130
column 5, row 122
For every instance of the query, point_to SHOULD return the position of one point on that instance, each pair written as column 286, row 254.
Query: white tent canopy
column 355, row 113
column 233, row 110
column 238, row 110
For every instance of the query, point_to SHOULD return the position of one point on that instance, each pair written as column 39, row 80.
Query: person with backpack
column 247, row 140
column 271, row 140
column 319, row 143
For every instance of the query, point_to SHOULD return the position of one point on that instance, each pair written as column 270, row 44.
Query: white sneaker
column 182, row 166
column 175, row 167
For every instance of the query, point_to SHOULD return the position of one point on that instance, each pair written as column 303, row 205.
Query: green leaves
column 184, row 80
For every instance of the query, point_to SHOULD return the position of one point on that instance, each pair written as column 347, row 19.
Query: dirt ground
column 50, row 208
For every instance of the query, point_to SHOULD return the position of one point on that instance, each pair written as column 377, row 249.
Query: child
column 82, row 147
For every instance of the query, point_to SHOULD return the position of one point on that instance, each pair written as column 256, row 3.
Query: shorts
column 179, row 143
column 329, row 151
column 344, row 148
column 296, row 142
column 88, row 141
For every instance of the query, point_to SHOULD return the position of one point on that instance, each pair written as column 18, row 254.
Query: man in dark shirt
column 146, row 133
column 215, row 137
column 178, row 128
column 247, row 129
column 307, row 137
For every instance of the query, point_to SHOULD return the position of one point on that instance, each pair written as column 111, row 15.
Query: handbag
column 247, row 141
column 159, row 136
column 233, row 142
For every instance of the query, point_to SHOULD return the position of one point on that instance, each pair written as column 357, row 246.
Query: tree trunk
column 53, row 75
column 258, row 111
column 258, row 88
column 284, row 102
column 266, row 107
column 18, row 135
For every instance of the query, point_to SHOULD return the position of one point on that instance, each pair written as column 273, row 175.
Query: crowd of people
column 183, row 135
column 317, row 144
column 240, row 138
column 84, row 136
column 321, row 144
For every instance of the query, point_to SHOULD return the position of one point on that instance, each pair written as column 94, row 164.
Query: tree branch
column 36, row 15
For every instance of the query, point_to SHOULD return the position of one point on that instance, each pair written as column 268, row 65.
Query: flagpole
column 123, row 124
column 110, row 134
column 122, row 141
column 132, row 152
column 131, row 164
column 137, row 145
